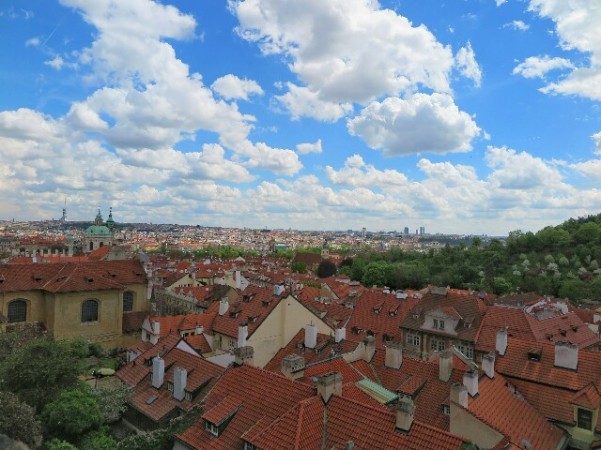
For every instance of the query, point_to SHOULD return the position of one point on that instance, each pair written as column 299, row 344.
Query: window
column 128, row 301
column 188, row 395
column 446, row 410
column 17, row 311
column 232, row 344
column 467, row 350
column 211, row 428
column 89, row 311
column 170, row 387
column 413, row 339
column 439, row 324
column 438, row 345
column 585, row 419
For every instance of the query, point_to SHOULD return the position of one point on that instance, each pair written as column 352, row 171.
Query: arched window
column 89, row 311
column 128, row 301
column 17, row 311
column 101, row 244
column 91, row 246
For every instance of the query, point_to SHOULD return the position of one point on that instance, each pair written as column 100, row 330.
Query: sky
column 460, row 116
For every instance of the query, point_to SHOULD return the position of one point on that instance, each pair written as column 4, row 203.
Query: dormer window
column 585, row 419
column 446, row 410
column 170, row 387
column 438, row 324
column 211, row 428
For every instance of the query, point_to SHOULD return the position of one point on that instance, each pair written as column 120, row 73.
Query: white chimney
column 566, row 355
column 340, row 334
column 238, row 279
column 158, row 372
column 329, row 384
column 180, row 378
column 199, row 329
column 445, row 365
column 393, row 357
column 370, row 348
column 405, row 410
column 310, row 335
column 156, row 331
column 488, row 364
column 470, row 381
column 242, row 334
column 223, row 306
column 459, row 394
column 501, row 344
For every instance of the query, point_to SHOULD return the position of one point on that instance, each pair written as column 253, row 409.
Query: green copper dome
column 97, row 230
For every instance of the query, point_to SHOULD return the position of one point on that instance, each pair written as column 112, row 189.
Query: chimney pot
column 445, row 365
column 501, row 343
column 223, row 306
column 329, row 384
column 566, row 355
column 470, row 381
column 293, row 366
column 180, row 379
column 488, row 364
column 405, row 410
column 340, row 334
column 242, row 335
column 370, row 348
column 310, row 335
column 394, row 355
column 158, row 372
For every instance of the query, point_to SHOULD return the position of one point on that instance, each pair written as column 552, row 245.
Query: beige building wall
column 464, row 424
column 61, row 312
column 284, row 322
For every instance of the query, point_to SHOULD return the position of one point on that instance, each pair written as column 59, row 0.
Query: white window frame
column 211, row 428
column 414, row 339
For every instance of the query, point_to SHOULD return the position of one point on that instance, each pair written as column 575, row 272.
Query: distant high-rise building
column 64, row 217
column 422, row 231
column 406, row 230
column 363, row 232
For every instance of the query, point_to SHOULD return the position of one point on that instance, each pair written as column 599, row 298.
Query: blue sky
column 476, row 116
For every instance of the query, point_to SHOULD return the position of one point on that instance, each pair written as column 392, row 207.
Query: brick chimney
column 470, row 381
column 501, row 343
column 180, row 379
column 328, row 384
column 242, row 334
column 394, row 355
column 224, row 305
column 370, row 348
column 244, row 355
column 293, row 366
column 459, row 394
column 445, row 365
column 488, row 364
column 340, row 334
column 158, row 371
column 405, row 410
column 566, row 355
column 310, row 335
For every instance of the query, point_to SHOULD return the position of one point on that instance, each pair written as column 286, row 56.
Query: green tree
column 112, row 400
column 72, row 414
column 588, row 234
column 299, row 267
column 156, row 440
column 98, row 440
column 374, row 275
column 18, row 420
column 40, row 370
column 59, row 444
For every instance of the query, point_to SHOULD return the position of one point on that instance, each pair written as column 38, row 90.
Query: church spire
column 98, row 220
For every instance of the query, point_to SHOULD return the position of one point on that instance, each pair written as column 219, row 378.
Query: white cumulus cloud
column 420, row 123
column 309, row 147
column 467, row 64
column 538, row 66
column 232, row 87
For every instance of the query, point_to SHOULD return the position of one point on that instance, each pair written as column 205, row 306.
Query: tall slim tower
column 64, row 217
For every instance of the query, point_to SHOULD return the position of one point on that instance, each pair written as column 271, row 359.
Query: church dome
column 97, row 230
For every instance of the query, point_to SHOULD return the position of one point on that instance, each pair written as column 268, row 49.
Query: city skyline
column 476, row 117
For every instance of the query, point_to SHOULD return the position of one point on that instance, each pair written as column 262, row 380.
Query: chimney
column 242, row 334
column 180, row 378
column 310, row 335
column 199, row 329
column 445, row 365
column 223, row 306
column 404, row 409
column 158, row 372
column 244, row 355
column 470, row 381
column 459, row 394
column 340, row 334
column 155, row 326
column 488, row 364
column 566, row 355
column 328, row 384
column 370, row 348
column 394, row 355
column 293, row 366
column 501, row 345
column 238, row 279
